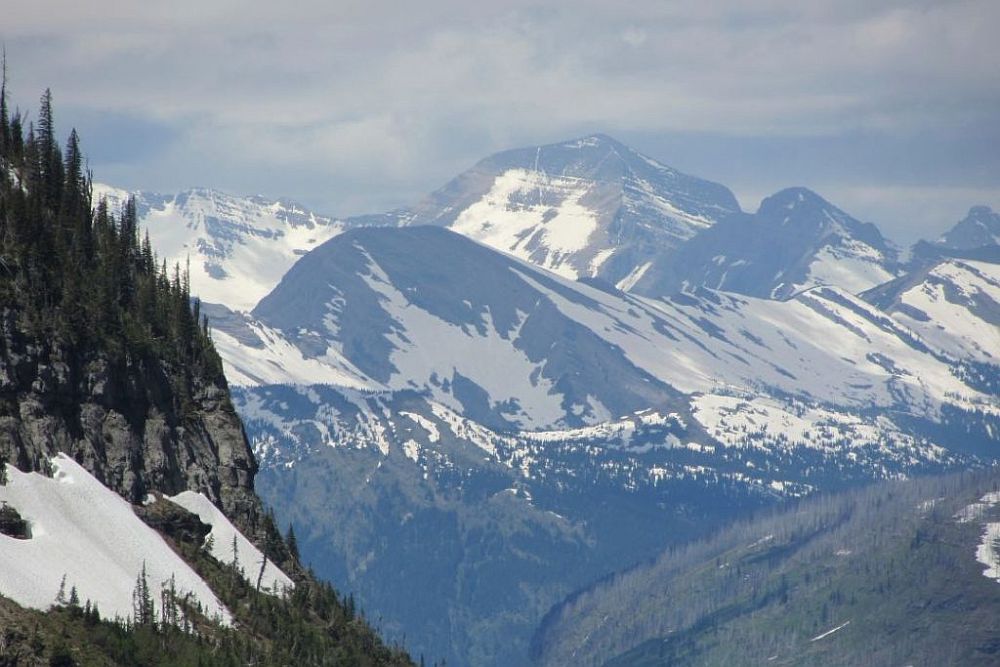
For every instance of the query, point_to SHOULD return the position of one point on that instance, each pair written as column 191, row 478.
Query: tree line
column 80, row 275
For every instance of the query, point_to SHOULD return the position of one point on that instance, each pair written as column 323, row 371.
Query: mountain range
column 567, row 359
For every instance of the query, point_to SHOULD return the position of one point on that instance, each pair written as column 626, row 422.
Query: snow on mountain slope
column 851, row 265
column 512, row 346
column 582, row 208
column 795, row 241
column 255, row 354
column 238, row 247
column 561, row 231
column 424, row 308
column 824, row 345
column 954, row 306
column 87, row 533
column 748, row 421
column 230, row 546
column 981, row 227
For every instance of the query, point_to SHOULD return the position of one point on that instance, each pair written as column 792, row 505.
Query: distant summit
column 981, row 227
column 796, row 240
column 588, row 207
column 237, row 247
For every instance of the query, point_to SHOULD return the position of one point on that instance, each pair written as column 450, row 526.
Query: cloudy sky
column 889, row 109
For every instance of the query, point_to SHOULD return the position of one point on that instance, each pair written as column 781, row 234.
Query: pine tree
column 143, row 610
column 236, row 555
column 5, row 133
column 61, row 595
column 292, row 543
column 49, row 158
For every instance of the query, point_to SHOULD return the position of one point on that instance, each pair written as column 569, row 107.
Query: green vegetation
column 312, row 626
column 78, row 286
column 888, row 569
column 78, row 281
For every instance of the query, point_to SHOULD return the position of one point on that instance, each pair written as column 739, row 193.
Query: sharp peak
column 798, row 193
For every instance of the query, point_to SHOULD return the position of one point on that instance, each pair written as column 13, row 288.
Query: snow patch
column 516, row 218
column 830, row 632
column 230, row 546
column 84, row 531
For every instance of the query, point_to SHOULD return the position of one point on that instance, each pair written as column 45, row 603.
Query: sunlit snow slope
column 511, row 345
column 86, row 533
column 581, row 208
column 238, row 247
column 228, row 545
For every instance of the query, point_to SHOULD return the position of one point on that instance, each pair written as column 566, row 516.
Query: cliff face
column 121, row 417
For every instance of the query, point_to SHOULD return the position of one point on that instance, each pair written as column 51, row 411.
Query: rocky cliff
column 120, row 416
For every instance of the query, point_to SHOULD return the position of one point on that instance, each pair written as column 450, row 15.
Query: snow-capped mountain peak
column 796, row 240
column 589, row 207
column 981, row 227
column 238, row 247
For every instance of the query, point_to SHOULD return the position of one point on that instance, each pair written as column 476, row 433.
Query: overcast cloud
column 889, row 109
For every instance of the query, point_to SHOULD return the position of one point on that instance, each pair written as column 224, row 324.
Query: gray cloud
column 359, row 106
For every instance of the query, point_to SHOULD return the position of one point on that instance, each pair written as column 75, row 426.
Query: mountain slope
column 422, row 307
column 981, row 227
column 795, row 241
column 582, row 208
column 237, row 247
column 892, row 574
column 953, row 305
column 714, row 403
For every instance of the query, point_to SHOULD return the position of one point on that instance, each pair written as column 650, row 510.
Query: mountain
column 981, row 227
column 130, row 529
column 517, row 434
column 571, row 358
column 237, row 248
column 902, row 573
column 795, row 241
column 424, row 309
column 590, row 207
column 953, row 305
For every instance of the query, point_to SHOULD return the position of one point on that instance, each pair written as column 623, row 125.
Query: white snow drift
column 83, row 531
column 230, row 546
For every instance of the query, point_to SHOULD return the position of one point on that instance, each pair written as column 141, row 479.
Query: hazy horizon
column 890, row 112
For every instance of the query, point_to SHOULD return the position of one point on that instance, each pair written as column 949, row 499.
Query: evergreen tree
column 292, row 543
column 49, row 159
column 143, row 610
column 4, row 111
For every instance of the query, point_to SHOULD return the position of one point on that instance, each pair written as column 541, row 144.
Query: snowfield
column 83, row 531
column 533, row 229
column 230, row 546
column 277, row 361
column 238, row 247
